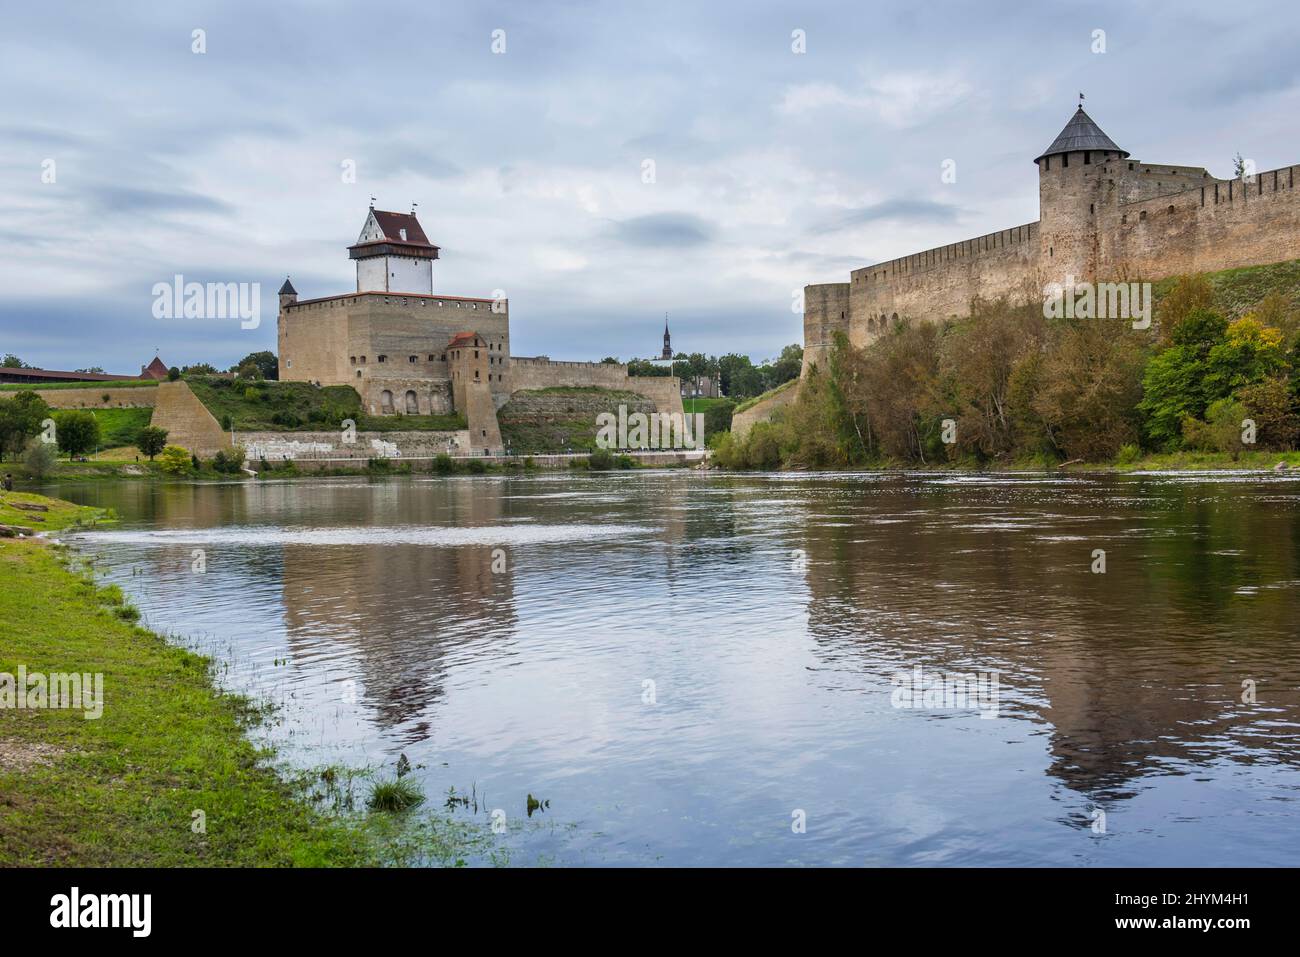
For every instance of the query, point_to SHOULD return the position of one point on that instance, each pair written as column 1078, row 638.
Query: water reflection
column 504, row 633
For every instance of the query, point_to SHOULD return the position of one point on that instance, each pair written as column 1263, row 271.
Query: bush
column 286, row 419
column 229, row 462
column 601, row 460
column 476, row 466
column 443, row 465
column 1128, row 454
column 175, row 460
column 717, row 417
column 173, row 374
column 1221, row 430
column 39, row 458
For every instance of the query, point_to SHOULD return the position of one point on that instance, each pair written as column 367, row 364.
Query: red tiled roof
column 393, row 223
column 7, row 371
column 156, row 369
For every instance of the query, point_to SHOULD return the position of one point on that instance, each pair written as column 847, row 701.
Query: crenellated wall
column 1105, row 218
column 1222, row 224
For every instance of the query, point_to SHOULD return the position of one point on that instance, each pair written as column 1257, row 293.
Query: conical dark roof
column 1081, row 133
column 287, row 289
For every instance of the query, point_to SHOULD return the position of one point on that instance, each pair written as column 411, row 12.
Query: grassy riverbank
column 165, row 777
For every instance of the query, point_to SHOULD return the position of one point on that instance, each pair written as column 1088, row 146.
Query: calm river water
column 705, row 669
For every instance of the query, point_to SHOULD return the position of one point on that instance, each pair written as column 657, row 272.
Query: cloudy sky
column 772, row 168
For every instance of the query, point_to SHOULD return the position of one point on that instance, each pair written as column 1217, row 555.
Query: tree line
column 1006, row 384
column 736, row 375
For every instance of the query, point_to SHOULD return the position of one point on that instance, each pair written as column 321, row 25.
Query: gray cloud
column 773, row 169
column 680, row 230
column 129, row 200
column 895, row 210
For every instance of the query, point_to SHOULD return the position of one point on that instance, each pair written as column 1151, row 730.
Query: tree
column 257, row 365
column 977, row 359
column 1189, row 293
column 151, row 440
column 13, row 428
column 717, row 417
column 1174, row 382
column 11, row 361
column 644, row 367
column 1087, row 389
column 20, row 419
column 1273, row 408
column 787, row 365
column 77, row 432
column 199, row 368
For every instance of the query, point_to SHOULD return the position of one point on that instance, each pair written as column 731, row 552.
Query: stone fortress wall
column 1103, row 217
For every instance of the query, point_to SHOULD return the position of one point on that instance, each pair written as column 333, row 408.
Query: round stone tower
column 1072, row 178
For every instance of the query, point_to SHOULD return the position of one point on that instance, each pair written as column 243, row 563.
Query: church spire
column 668, row 342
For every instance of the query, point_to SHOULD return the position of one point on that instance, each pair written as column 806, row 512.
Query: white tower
column 393, row 254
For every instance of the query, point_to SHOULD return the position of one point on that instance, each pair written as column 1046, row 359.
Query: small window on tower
column 383, row 358
column 412, row 358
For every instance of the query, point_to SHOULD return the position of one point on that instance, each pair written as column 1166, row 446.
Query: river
column 701, row 668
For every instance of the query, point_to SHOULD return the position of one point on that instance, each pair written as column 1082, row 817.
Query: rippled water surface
column 686, row 665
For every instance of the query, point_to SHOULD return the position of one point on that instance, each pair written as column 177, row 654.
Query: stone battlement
column 1103, row 217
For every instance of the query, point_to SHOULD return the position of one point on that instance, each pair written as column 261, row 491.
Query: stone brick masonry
column 1104, row 217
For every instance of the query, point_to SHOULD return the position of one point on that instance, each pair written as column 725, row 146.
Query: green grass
column 118, row 427
column 700, row 405
column 254, row 406
column 59, row 514
column 267, row 406
column 96, row 387
column 1237, row 291
column 401, row 794
column 750, row 403
column 122, row 791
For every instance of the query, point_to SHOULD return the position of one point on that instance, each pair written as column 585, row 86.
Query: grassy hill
column 1239, row 291
column 267, row 406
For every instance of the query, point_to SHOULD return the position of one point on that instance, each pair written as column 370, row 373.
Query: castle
column 407, row 350
column 1103, row 217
